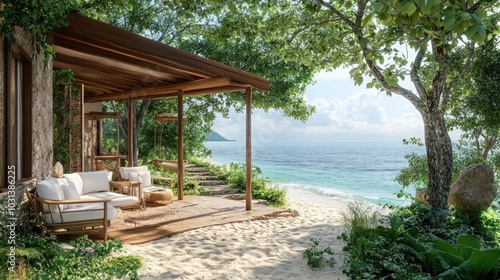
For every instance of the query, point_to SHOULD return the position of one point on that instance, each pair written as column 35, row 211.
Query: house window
column 22, row 118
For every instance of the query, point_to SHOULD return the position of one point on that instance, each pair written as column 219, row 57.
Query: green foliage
column 465, row 260
column 380, row 254
column 63, row 125
column 358, row 219
column 86, row 258
column 40, row 256
column 407, row 247
column 316, row 257
column 39, row 18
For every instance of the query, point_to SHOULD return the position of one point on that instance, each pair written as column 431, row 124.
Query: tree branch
column 415, row 78
column 455, row 79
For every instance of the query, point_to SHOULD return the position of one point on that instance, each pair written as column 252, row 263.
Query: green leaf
column 408, row 8
column 378, row 7
column 468, row 244
column 481, row 262
column 448, row 22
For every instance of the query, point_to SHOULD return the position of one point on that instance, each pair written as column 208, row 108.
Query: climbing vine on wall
column 66, row 128
column 38, row 17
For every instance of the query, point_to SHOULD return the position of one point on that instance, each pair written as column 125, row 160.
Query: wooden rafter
column 115, row 64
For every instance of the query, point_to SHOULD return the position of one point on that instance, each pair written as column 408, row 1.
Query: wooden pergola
column 114, row 64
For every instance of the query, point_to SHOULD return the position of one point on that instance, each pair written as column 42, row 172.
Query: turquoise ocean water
column 362, row 170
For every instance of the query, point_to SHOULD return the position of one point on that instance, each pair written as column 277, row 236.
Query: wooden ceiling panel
column 115, row 64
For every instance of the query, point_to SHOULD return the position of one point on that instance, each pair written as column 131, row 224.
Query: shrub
column 316, row 258
column 87, row 257
column 42, row 257
column 359, row 218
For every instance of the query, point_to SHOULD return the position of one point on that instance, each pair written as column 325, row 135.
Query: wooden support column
column 130, row 157
column 82, row 119
column 249, row 149
column 180, row 143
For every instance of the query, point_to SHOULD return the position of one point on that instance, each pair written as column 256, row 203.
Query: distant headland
column 214, row 136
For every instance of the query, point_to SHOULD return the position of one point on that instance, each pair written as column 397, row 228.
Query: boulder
column 474, row 189
column 57, row 170
column 422, row 195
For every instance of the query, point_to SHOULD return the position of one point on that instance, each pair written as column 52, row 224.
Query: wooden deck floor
column 155, row 222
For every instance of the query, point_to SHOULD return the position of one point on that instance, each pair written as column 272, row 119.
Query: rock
column 474, row 190
column 422, row 195
column 57, row 170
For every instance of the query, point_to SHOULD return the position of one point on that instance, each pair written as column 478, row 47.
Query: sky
column 344, row 113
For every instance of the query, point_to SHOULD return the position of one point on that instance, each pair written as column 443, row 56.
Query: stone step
column 218, row 190
column 212, row 183
column 196, row 169
column 194, row 174
column 202, row 178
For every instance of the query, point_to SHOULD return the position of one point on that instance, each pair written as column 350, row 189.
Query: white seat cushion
column 124, row 171
column 117, row 199
column 94, row 181
column 83, row 212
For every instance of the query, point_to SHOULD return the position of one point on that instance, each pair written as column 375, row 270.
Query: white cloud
column 361, row 112
column 351, row 114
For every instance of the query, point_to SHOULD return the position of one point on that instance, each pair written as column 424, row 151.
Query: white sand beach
column 268, row 249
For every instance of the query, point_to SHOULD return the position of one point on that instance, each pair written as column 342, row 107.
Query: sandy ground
column 269, row 249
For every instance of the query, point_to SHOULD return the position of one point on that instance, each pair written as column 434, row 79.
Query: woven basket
column 160, row 197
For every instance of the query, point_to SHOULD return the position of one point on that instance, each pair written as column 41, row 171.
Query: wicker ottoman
column 160, row 197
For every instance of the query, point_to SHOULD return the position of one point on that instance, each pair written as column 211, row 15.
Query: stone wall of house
column 3, row 124
column 41, row 86
column 42, row 117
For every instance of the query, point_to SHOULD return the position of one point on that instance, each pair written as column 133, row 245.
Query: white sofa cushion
column 124, row 171
column 143, row 177
column 50, row 190
column 84, row 212
column 76, row 180
column 70, row 193
column 94, row 181
column 117, row 199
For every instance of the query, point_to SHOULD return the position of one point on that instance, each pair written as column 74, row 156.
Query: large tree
column 385, row 40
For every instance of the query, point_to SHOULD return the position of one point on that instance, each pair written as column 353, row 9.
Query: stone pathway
column 210, row 183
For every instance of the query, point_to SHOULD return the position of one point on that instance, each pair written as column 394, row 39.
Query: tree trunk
column 439, row 151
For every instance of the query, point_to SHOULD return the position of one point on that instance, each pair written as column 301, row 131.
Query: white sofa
column 79, row 201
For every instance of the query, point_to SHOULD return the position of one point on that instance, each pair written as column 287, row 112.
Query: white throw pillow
column 75, row 180
column 133, row 176
column 125, row 171
column 71, row 193
column 145, row 179
column 96, row 181
column 50, row 190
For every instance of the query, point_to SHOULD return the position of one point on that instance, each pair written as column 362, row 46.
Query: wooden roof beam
column 87, row 30
column 162, row 91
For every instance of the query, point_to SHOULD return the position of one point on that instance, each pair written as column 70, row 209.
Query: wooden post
column 180, row 143
column 249, row 149
column 82, row 119
column 130, row 157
